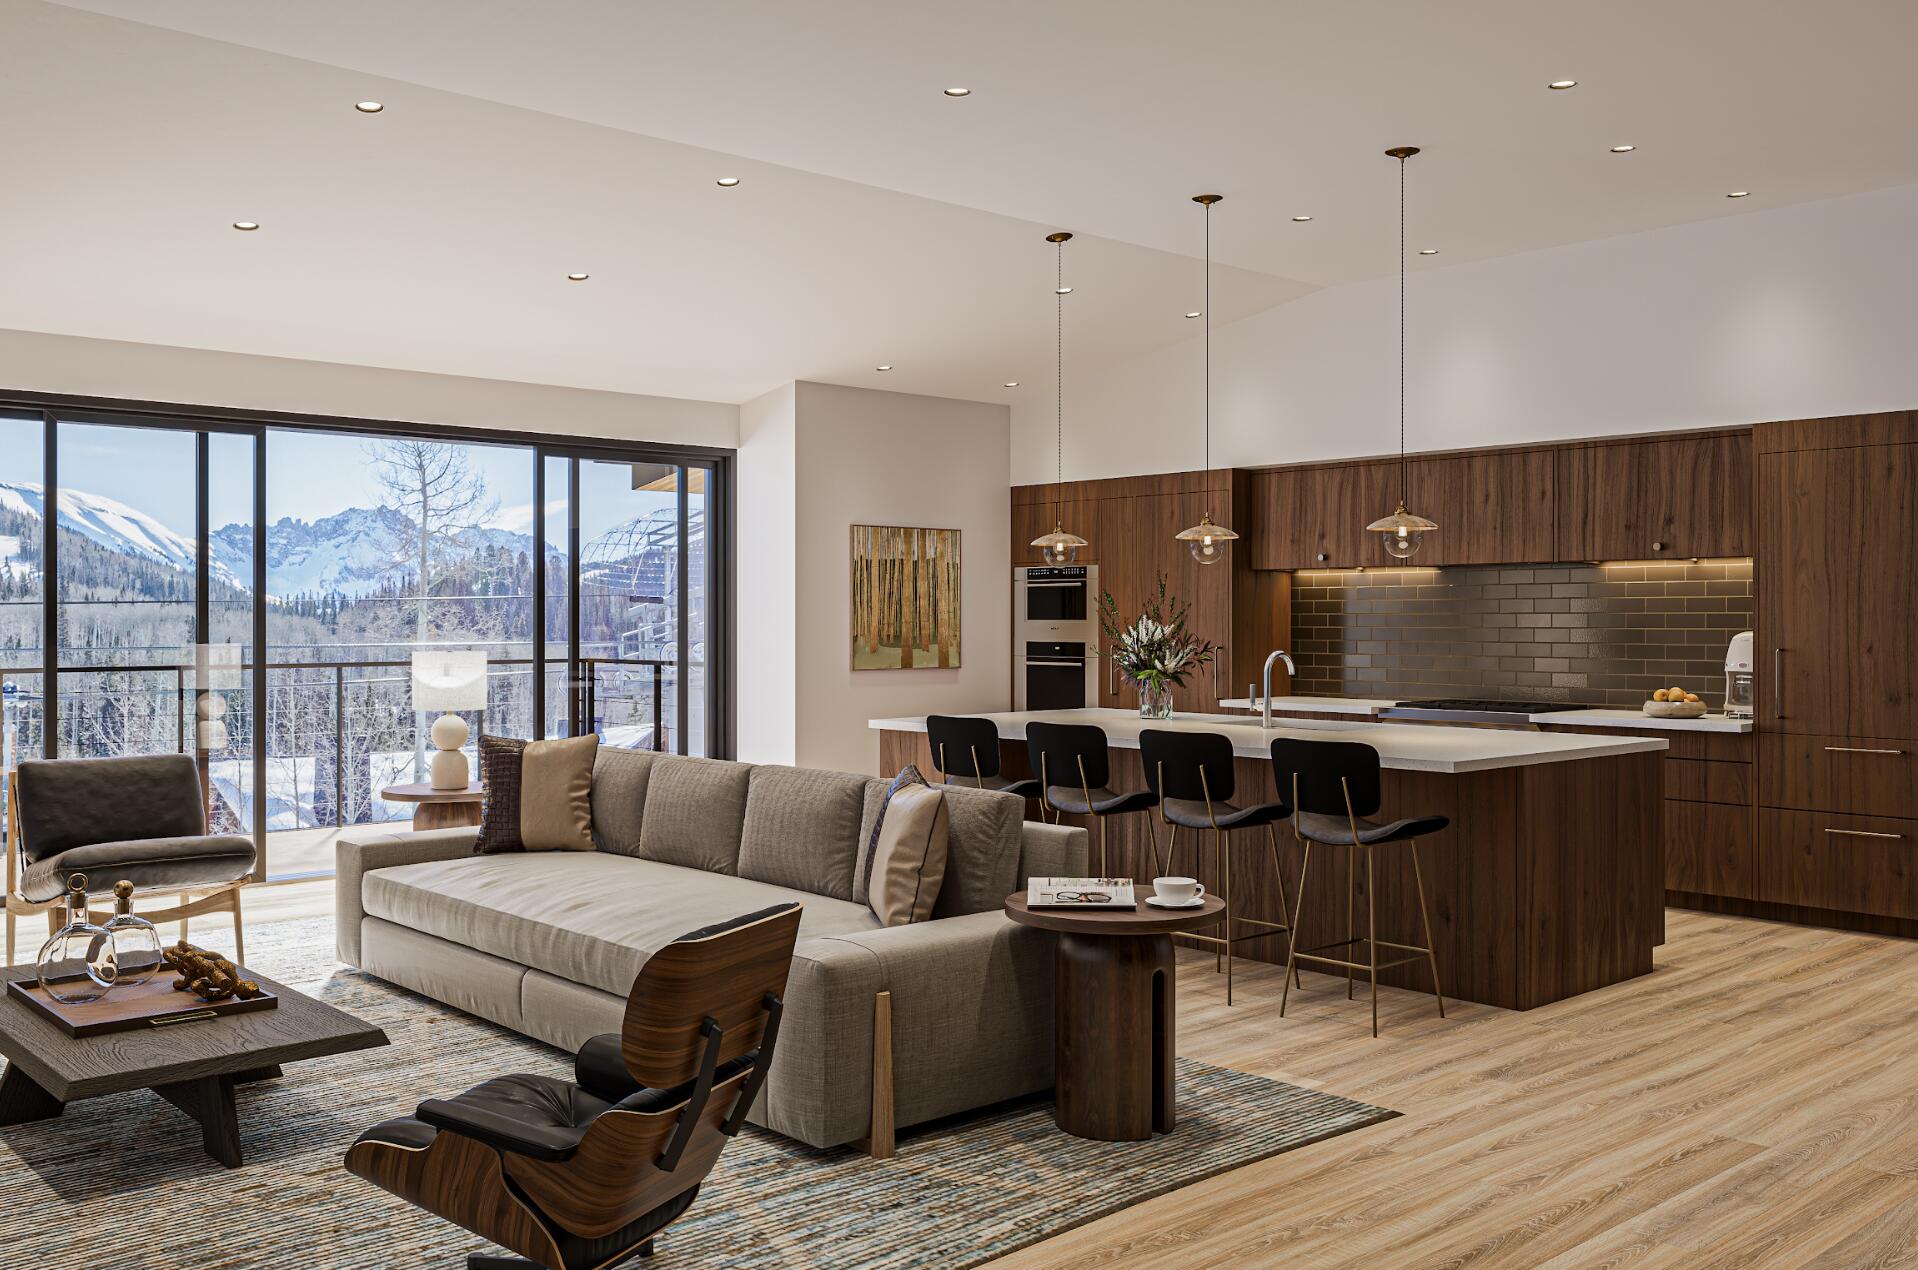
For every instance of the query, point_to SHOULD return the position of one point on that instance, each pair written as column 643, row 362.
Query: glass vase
column 78, row 964
column 1155, row 701
column 136, row 942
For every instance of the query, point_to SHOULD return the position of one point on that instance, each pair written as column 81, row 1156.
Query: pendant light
column 1205, row 540
column 1402, row 531
column 1059, row 547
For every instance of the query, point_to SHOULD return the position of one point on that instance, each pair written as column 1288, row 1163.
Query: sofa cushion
column 909, row 859
column 695, row 813
column 619, row 796
column 802, row 829
column 982, row 845
column 588, row 916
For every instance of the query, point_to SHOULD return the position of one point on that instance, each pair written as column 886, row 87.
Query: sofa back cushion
column 695, row 812
column 802, row 829
column 982, row 845
column 619, row 797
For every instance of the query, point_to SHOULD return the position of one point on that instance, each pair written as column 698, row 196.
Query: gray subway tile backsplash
column 1597, row 634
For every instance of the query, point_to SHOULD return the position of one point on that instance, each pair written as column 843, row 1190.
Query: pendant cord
column 1058, row 382
column 1402, row 465
column 1208, row 346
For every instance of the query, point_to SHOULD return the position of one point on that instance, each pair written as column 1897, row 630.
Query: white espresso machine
column 1738, row 677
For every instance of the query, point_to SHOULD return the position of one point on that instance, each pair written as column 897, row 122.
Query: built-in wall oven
column 1055, row 637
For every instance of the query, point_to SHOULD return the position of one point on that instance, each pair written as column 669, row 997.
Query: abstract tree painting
column 905, row 598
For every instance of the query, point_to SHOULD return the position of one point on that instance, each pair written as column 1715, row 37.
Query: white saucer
column 1197, row 901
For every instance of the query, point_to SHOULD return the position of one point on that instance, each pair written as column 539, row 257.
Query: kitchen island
column 1549, row 881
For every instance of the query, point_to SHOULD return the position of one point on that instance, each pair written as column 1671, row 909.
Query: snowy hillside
column 114, row 526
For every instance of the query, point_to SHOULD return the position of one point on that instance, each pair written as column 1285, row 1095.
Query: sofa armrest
column 356, row 854
column 1053, row 851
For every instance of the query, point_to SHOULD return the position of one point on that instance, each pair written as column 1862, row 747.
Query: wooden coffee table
column 194, row 1066
column 439, row 808
column 1115, row 994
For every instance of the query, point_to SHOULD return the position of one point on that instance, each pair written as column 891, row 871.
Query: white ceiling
column 877, row 221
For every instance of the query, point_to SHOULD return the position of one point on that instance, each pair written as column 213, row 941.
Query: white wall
column 767, row 561
column 1793, row 313
column 864, row 457
column 33, row 361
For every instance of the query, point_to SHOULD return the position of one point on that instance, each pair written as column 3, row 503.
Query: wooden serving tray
column 154, row 1004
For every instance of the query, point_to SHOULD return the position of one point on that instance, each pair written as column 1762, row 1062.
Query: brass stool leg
column 1285, row 904
column 1351, row 871
column 1292, row 945
column 1431, row 956
column 1104, row 870
column 1372, row 938
column 1172, row 852
column 1225, row 867
column 1218, row 953
column 1153, row 833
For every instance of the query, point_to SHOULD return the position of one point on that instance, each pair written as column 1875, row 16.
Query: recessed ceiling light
column 1739, row 194
column 369, row 107
column 246, row 224
column 577, row 277
column 958, row 92
column 1428, row 251
column 1301, row 219
column 1562, row 84
column 1012, row 383
column 1062, row 291
column 882, row 368
column 1196, row 313
column 728, row 181
column 1623, row 149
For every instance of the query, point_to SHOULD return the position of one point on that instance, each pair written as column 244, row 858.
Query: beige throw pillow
column 909, row 859
column 538, row 794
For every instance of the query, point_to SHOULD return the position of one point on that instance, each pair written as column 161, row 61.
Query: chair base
column 493, row 1261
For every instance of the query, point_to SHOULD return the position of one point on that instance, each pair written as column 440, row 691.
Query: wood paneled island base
column 1548, row 883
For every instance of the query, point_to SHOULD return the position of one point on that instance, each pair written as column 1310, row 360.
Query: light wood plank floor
column 1754, row 1102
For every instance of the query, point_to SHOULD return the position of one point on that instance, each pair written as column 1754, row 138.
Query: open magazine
column 1080, row 893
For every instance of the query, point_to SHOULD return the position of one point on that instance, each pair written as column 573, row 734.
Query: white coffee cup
column 1177, row 890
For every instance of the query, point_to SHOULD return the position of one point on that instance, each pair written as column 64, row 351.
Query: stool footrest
column 1357, row 965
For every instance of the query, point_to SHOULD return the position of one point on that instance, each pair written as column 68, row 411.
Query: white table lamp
column 449, row 679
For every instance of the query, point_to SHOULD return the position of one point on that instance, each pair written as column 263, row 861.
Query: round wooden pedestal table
column 1114, row 1014
column 439, row 808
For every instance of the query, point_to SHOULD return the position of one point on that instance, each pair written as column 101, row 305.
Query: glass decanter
column 78, row 963
column 136, row 943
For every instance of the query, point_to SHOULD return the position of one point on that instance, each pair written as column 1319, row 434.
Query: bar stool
column 1191, row 772
column 1335, row 787
column 968, row 747
column 1075, row 771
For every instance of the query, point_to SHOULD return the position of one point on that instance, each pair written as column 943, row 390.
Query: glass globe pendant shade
column 1206, row 541
column 1058, row 547
column 1402, row 532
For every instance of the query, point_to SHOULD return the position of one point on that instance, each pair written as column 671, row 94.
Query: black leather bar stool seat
column 1338, row 831
column 1335, row 792
column 967, row 747
column 1192, row 773
column 1075, row 770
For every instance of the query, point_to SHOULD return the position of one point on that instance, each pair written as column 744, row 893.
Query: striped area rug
column 121, row 1181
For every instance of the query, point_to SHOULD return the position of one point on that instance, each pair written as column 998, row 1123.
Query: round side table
column 439, row 808
column 1114, row 1014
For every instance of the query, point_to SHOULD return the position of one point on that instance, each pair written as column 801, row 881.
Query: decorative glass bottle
column 136, row 944
column 78, row 963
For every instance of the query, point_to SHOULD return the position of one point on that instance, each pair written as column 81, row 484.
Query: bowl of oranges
column 1674, row 703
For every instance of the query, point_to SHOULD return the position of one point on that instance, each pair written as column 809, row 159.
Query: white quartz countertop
column 1569, row 718
column 1411, row 747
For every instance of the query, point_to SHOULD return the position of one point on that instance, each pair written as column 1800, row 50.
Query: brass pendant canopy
column 1059, row 547
column 1205, row 540
column 1402, row 531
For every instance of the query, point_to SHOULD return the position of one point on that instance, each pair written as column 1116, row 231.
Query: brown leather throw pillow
column 538, row 794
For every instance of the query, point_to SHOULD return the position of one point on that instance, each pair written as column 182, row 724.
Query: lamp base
column 449, row 769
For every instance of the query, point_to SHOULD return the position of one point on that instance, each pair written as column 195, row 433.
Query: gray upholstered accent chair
column 140, row 820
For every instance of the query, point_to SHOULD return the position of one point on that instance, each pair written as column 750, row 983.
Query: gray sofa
column 884, row 1027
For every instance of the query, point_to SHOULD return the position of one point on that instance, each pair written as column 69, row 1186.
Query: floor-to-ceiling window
column 252, row 592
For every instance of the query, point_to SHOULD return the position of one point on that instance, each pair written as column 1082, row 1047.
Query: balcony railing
column 337, row 730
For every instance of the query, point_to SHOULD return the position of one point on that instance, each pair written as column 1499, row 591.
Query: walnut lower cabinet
column 1839, row 862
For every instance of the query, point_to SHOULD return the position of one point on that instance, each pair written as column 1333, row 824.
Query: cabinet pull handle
column 1777, row 683
column 1862, row 833
column 1218, row 655
column 1112, row 688
column 1858, row 749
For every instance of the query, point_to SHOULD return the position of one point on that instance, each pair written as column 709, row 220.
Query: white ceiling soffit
column 437, row 236
column 1104, row 115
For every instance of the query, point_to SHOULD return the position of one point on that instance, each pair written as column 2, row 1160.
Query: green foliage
column 1154, row 648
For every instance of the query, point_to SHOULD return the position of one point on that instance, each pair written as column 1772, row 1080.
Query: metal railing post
column 659, row 708
column 339, row 747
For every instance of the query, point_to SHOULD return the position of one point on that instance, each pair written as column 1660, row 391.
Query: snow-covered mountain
column 350, row 553
column 114, row 526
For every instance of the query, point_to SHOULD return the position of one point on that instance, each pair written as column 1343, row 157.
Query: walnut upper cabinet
column 1315, row 517
column 1656, row 499
column 1491, row 508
